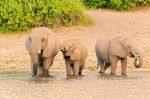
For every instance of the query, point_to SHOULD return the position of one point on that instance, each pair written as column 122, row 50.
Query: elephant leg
column 46, row 65
column 113, row 65
column 34, row 64
column 101, row 63
column 102, row 70
column 123, row 66
column 45, row 72
column 34, row 70
column 41, row 63
column 76, row 68
column 40, row 70
column 81, row 69
column 68, row 68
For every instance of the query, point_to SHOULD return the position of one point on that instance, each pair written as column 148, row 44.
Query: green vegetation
column 20, row 15
column 115, row 4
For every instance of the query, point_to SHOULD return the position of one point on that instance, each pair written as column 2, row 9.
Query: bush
column 115, row 4
column 18, row 15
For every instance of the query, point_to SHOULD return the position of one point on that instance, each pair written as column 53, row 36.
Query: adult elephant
column 110, row 50
column 42, row 46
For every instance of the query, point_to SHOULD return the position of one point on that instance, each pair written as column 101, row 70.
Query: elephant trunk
column 138, row 62
column 36, row 45
column 35, row 64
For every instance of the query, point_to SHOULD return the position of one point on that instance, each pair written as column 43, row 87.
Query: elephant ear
column 28, row 44
column 76, row 54
column 119, row 48
column 50, row 45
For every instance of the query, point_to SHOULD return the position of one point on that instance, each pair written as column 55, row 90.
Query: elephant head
column 40, row 39
column 67, row 49
column 70, row 50
column 122, row 47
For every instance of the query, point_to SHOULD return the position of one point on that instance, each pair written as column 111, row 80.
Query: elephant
column 75, row 54
column 111, row 49
column 42, row 45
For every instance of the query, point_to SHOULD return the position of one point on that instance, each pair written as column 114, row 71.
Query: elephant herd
column 43, row 45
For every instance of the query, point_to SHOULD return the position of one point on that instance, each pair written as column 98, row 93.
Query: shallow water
column 90, row 86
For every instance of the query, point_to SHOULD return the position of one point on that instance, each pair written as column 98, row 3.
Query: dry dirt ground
column 20, row 85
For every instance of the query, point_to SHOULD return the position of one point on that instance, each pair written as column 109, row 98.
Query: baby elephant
column 74, row 53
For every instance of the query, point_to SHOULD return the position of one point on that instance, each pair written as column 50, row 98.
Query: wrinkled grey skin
column 110, row 50
column 75, row 54
column 42, row 46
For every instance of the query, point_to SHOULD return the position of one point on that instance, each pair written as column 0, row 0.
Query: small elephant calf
column 74, row 53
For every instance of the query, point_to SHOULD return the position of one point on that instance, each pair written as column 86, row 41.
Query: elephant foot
column 76, row 77
column 80, row 73
column 124, row 74
column 101, row 72
column 69, row 77
column 112, row 74
column 42, row 75
column 34, row 76
column 46, row 75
